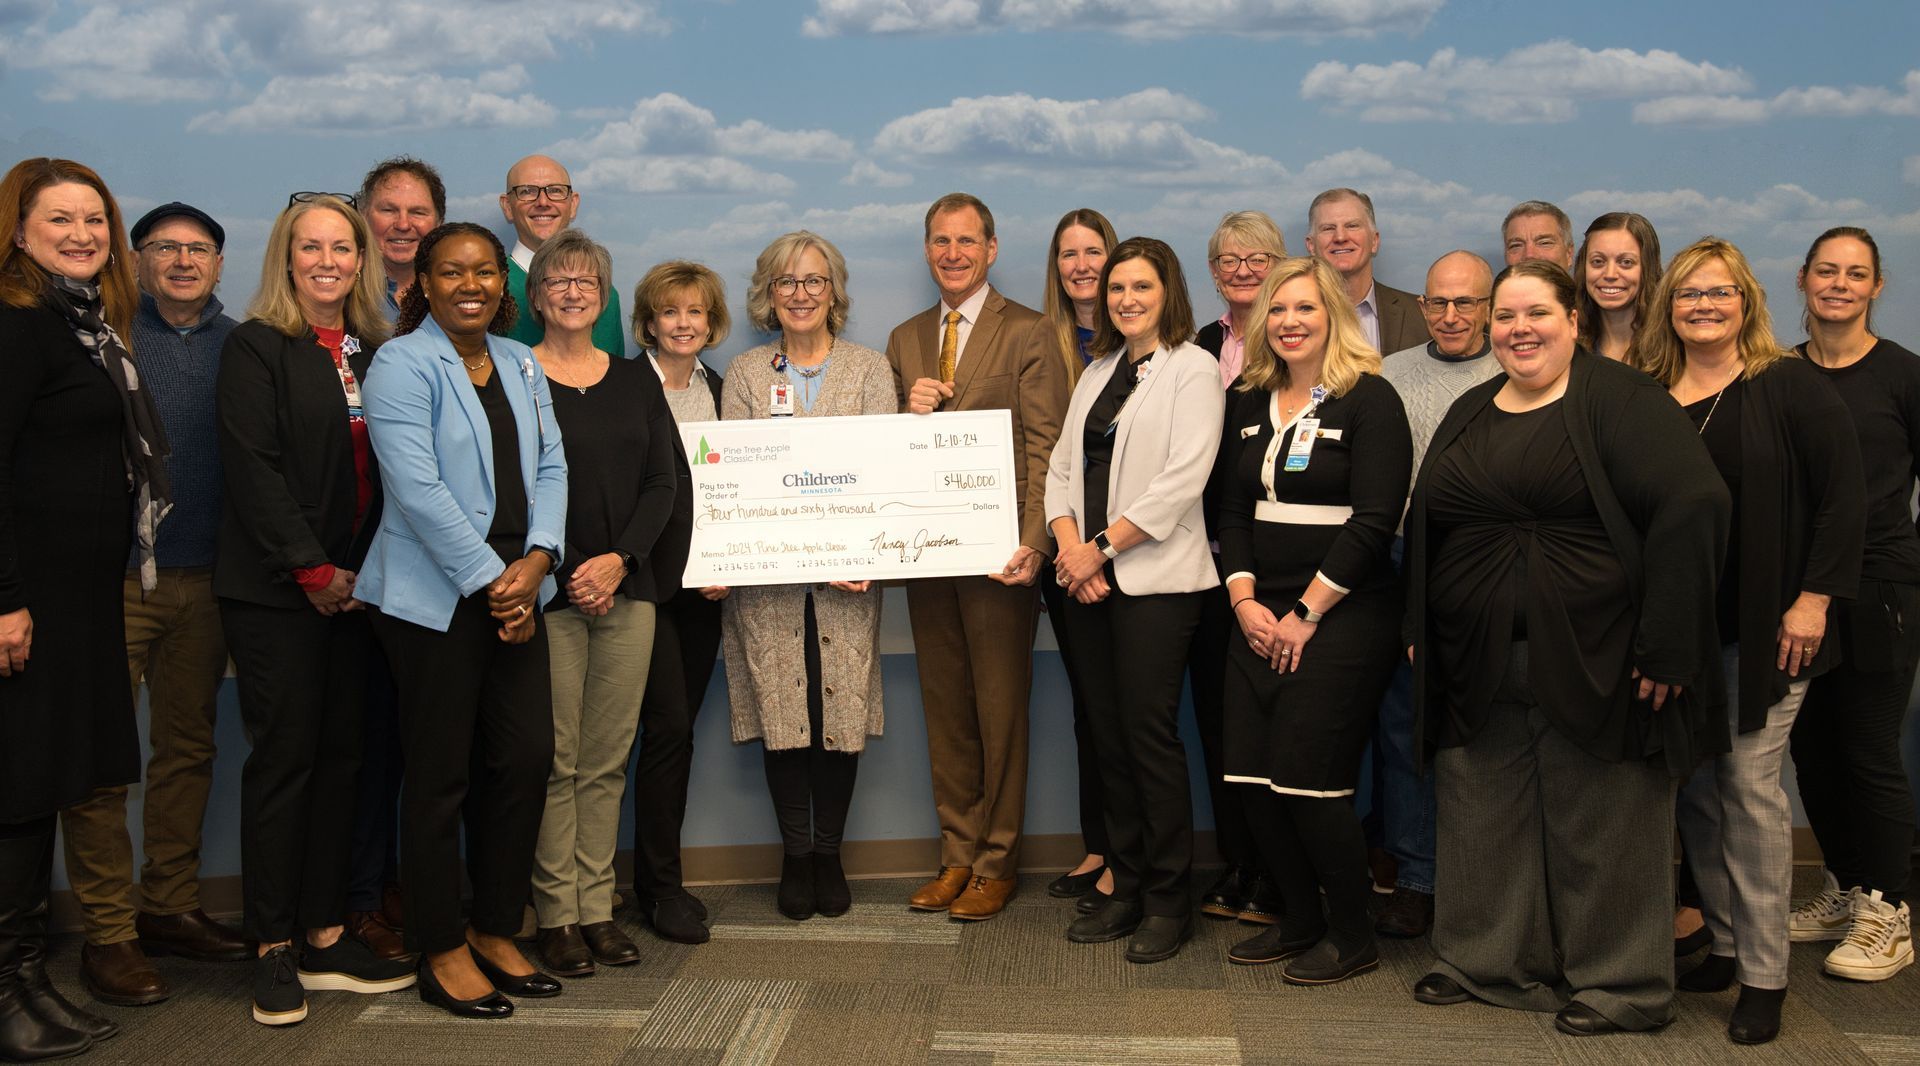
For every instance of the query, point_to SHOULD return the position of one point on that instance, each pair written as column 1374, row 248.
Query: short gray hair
column 1539, row 207
column 1251, row 229
column 568, row 246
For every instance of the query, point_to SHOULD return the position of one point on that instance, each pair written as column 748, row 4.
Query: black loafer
column 1325, row 963
column 1756, row 1015
column 1692, row 942
column 1115, row 919
column 535, row 985
column 1439, row 990
column 1578, row 1019
column 491, row 1005
column 1225, row 897
column 1275, row 943
column 1073, row 886
column 609, row 945
column 565, row 951
column 676, row 919
column 1092, row 901
column 1159, row 937
column 1262, row 905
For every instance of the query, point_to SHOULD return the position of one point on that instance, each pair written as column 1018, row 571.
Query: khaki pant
column 599, row 676
column 174, row 641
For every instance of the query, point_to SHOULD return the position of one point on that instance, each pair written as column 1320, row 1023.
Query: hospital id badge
column 1301, row 450
column 351, row 386
column 780, row 400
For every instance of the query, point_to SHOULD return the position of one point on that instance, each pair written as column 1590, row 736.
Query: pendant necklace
column 1717, row 397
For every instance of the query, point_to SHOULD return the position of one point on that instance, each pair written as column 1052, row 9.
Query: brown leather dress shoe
column 192, row 935
column 565, row 951
column 984, row 897
column 610, row 946
column 121, row 975
column 939, row 893
column 371, row 929
column 393, row 907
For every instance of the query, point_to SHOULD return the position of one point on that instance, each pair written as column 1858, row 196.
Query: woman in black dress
column 1318, row 454
column 1562, row 544
column 1846, row 742
column 76, row 433
column 1783, row 442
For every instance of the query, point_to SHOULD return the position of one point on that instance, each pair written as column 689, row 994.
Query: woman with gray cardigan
column 810, row 693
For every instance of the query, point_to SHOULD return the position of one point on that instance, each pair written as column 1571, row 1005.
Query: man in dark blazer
column 1341, row 230
column 977, row 350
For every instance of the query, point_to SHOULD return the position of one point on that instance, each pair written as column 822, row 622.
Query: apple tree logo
column 706, row 454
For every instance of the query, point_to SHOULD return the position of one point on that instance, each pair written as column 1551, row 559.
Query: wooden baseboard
column 745, row 864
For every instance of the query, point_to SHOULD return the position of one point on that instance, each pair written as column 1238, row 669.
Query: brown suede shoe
column 192, row 935
column 371, row 929
column 939, row 893
column 121, row 975
column 983, row 898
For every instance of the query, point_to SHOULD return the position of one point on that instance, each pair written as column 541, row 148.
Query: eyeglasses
column 199, row 251
column 1719, row 294
column 527, row 194
column 1258, row 262
column 785, row 284
column 587, row 284
column 1436, row 306
column 350, row 199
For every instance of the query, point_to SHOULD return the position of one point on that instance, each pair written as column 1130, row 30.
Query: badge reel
column 780, row 400
column 1305, row 431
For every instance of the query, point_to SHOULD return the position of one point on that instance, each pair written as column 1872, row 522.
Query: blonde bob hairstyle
column 276, row 303
column 670, row 279
column 1249, row 229
column 1348, row 354
column 776, row 260
column 1657, row 348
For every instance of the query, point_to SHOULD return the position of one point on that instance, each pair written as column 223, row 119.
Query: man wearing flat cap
column 174, row 641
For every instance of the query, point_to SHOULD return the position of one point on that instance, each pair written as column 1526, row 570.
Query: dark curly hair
column 413, row 306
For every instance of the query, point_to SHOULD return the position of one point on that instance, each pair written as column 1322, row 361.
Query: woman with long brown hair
column 1616, row 271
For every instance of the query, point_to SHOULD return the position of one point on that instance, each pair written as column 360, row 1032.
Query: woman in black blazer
column 679, row 311
column 301, row 506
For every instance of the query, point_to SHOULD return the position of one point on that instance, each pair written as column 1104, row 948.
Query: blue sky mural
column 704, row 129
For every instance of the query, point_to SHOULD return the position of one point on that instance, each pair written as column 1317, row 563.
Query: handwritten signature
column 910, row 549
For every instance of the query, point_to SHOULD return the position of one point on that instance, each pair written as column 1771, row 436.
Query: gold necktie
column 950, row 347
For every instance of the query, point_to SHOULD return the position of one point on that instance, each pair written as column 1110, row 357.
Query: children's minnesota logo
column 706, row 454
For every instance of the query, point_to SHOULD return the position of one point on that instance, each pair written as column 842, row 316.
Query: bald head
column 1457, row 332
column 539, row 201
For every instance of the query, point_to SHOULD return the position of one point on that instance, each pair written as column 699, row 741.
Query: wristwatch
column 1106, row 547
column 1306, row 613
column 625, row 559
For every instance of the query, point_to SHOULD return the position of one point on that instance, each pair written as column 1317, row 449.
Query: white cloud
column 1537, row 83
column 158, row 52
column 667, row 143
column 1134, row 18
column 867, row 172
column 1143, row 136
column 1818, row 101
column 756, row 138
column 364, row 101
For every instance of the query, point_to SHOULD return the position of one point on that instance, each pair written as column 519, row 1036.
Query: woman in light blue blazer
column 1124, row 504
column 476, row 500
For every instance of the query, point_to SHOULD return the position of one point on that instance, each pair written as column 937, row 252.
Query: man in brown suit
column 1341, row 230
column 973, row 636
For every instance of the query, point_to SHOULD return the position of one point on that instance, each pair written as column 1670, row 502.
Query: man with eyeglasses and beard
column 540, row 201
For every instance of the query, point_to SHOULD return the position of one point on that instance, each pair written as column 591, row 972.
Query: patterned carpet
column 885, row 985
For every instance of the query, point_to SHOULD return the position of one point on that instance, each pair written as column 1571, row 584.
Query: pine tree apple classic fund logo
column 706, row 454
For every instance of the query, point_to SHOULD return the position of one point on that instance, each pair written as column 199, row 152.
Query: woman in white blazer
column 1123, row 502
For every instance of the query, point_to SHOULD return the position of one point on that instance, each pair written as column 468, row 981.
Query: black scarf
column 144, row 446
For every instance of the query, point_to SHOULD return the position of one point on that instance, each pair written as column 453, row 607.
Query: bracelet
column 1235, row 605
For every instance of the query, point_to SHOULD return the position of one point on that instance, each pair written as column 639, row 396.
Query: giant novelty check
column 786, row 500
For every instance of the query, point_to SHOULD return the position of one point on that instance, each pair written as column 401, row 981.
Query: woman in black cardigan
column 301, row 505
column 1784, row 444
column 1560, row 551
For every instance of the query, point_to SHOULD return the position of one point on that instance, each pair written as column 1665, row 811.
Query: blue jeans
column 1406, row 796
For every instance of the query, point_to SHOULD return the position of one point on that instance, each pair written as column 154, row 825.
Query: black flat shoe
column 535, row 985
column 1275, row 943
column 1225, row 897
column 675, row 919
column 1439, row 990
column 1713, row 975
column 1326, row 963
column 1262, row 905
column 1159, row 937
column 491, row 1005
column 1756, row 1015
column 1092, row 901
column 795, row 898
column 1115, row 919
column 1578, row 1019
column 1692, row 942
column 1073, row 886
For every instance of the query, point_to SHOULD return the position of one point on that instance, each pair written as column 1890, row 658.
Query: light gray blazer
column 763, row 626
column 1163, row 451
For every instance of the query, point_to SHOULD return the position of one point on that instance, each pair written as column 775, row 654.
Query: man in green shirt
column 540, row 201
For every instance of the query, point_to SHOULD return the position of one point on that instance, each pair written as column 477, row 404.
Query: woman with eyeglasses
column 803, row 661
column 1846, row 741
column 1617, row 269
column 1783, row 442
column 1243, row 248
column 620, row 489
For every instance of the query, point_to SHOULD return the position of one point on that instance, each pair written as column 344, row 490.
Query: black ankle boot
column 1756, row 1015
column 796, row 897
column 832, row 897
column 25, row 866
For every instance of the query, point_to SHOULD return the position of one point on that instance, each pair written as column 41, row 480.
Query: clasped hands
column 511, row 598
column 1081, row 570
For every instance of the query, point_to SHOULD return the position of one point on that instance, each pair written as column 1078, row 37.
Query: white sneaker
column 1879, row 945
column 1824, row 917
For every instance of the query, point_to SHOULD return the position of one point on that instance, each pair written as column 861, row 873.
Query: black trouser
column 1132, row 651
column 686, row 636
column 1093, row 815
column 1207, row 675
column 476, row 726
column 812, row 787
column 303, row 683
column 376, row 811
column 1846, row 744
